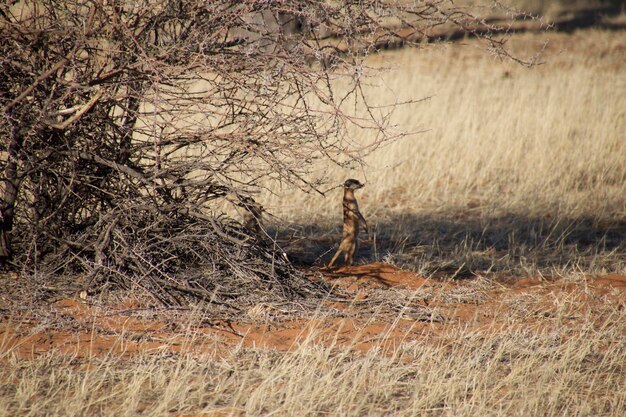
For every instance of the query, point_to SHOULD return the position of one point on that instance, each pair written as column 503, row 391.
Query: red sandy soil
column 82, row 328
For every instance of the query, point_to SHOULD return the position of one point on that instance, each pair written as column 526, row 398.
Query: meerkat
column 252, row 216
column 252, row 222
column 352, row 217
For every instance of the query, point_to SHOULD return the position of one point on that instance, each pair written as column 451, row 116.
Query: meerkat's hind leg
column 350, row 257
column 332, row 261
column 350, row 253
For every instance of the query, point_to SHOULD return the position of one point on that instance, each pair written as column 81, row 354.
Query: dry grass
column 548, row 8
column 498, row 133
column 565, row 363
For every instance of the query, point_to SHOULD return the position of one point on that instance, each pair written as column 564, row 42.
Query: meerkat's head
column 352, row 184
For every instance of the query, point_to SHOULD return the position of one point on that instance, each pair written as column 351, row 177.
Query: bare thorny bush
column 127, row 125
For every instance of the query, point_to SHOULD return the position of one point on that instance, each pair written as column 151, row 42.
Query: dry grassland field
column 492, row 282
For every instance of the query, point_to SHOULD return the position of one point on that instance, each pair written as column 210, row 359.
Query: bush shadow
column 462, row 245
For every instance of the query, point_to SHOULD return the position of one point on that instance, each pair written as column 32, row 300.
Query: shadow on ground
column 461, row 245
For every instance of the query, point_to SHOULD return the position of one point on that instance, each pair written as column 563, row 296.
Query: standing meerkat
column 252, row 215
column 351, row 219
